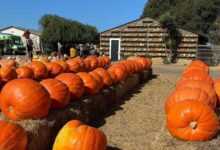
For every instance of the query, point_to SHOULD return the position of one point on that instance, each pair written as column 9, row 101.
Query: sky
column 103, row 14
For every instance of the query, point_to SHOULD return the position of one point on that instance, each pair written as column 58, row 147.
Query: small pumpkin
column 74, row 83
column 24, row 99
column 84, row 137
column 8, row 63
column 59, row 92
column 39, row 69
column 107, row 80
column 91, row 85
column 24, row 72
column 187, row 93
column 192, row 120
column 12, row 137
column 54, row 69
column 7, row 73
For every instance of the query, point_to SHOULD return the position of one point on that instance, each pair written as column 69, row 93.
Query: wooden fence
column 209, row 54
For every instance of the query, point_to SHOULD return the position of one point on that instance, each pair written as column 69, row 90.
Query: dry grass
column 140, row 124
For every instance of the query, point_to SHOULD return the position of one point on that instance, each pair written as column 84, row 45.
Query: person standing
column 28, row 44
column 59, row 47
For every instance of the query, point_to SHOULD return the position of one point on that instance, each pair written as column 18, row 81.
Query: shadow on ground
column 113, row 148
column 101, row 121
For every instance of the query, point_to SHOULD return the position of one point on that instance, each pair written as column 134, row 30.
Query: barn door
column 115, row 46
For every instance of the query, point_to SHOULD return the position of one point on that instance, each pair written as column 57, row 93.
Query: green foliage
column 194, row 15
column 66, row 31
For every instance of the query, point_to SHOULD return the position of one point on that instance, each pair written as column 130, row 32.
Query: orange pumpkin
column 91, row 85
column 7, row 73
column 107, row 80
column 91, row 62
column 24, row 99
column 73, row 65
column 144, row 62
column 197, row 75
column 39, row 69
column 63, row 64
column 74, row 83
column 209, row 89
column 188, row 94
column 119, row 70
column 54, row 69
column 106, row 59
column 59, row 92
column 24, row 72
column 192, row 120
column 98, row 79
column 12, row 137
column 77, row 136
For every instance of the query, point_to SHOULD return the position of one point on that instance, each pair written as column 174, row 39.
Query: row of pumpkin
column 191, row 107
column 29, row 99
column 43, row 68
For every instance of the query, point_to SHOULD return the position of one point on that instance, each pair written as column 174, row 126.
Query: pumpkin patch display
column 192, row 120
column 91, row 85
column 77, row 136
column 24, row 99
column 59, row 92
column 12, row 137
column 24, row 72
column 74, row 83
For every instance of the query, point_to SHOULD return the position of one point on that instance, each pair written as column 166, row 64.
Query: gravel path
column 139, row 123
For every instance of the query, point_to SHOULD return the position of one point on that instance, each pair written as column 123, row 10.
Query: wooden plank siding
column 146, row 37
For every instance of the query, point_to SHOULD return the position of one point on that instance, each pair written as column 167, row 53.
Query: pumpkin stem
column 193, row 124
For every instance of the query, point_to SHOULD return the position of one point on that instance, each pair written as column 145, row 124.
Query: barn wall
column 145, row 37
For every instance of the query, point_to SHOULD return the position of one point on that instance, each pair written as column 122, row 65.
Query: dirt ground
column 139, row 123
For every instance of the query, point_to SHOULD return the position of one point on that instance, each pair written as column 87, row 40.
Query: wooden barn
column 144, row 37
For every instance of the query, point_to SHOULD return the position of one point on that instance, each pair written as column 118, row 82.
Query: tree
column 194, row 15
column 66, row 31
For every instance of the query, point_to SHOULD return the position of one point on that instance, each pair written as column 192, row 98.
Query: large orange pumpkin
column 39, row 69
column 98, row 79
column 74, row 83
column 59, row 92
column 199, row 64
column 54, row 69
column 24, row 99
column 89, row 82
column 12, row 137
column 195, row 75
column 192, row 120
column 209, row 89
column 7, row 73
column 77, row 136
column 107, row 80
column 24, row 72
column 187, row 93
